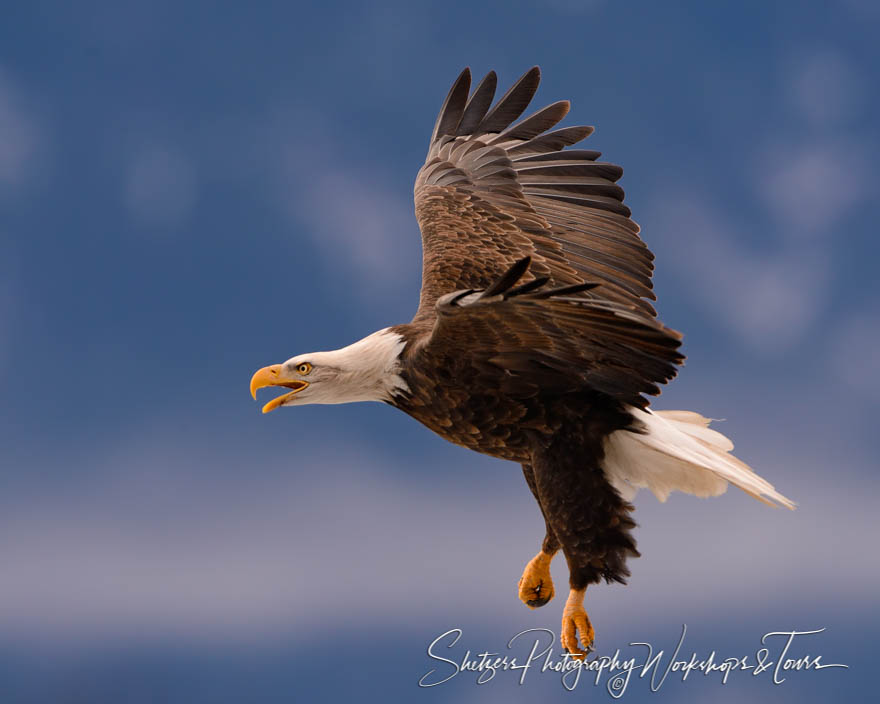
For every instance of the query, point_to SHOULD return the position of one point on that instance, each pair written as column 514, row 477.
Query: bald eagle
column 535, row 340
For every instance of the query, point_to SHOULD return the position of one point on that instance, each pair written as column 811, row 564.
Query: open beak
column 273, row 376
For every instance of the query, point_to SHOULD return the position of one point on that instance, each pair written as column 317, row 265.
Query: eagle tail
column 676, row 450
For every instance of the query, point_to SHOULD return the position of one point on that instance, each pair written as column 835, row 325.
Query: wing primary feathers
column 552, row 141
column 536, row 123
column 508, row 188
column 453, row 107
column 478, row 105
column 585, row 154
column 508, row 278
column 512, row 103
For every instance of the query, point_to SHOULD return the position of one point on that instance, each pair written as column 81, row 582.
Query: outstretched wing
column 491, row 193
column 533, row 337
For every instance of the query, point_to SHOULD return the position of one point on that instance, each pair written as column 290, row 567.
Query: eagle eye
column 304, row 368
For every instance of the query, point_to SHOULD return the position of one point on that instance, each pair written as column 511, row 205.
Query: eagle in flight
column 535, row 340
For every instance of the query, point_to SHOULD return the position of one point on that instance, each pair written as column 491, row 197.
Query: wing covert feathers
column 543, row 338
column 493, row 190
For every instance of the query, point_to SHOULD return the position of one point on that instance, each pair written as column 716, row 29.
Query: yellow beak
column 274, row 376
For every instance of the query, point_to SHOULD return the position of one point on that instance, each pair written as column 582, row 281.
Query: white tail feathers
column 676, row 450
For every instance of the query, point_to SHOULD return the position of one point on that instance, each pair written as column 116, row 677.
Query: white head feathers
column 366, row 370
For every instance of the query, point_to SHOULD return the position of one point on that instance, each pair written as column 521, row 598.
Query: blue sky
column 190, row 191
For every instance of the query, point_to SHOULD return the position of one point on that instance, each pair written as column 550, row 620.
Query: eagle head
column 368, row 370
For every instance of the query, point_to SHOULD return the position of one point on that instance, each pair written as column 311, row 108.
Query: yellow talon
column 536, row 585
column 575, row 621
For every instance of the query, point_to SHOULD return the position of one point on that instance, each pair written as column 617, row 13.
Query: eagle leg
column 588, row 517
column 575, row 621
column 536, row 584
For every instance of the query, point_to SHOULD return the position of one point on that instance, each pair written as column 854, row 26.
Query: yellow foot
column 535, row 585
column 574, row 621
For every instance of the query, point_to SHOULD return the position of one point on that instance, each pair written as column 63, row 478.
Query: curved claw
column 536, row 585
column 577, row 630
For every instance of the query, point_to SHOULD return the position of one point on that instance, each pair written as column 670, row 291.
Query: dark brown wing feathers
column 488, row 170
column 512, row 104
column 498, row 202
column 553, row 142
column 478, row 104
column 541, row 338
column 535, row 124
column 453, row 106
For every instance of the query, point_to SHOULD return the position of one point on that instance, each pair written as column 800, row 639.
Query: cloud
column 814, row 182
column 10, row 295
column 21, row 137
column 812, row 187
column 160, row 186
column 825, row 88
column 162, row 550
column 853, row 357
column 355, row 219
column 815, row 175
column 345, row 203
column 6, row 313
column 768, row 297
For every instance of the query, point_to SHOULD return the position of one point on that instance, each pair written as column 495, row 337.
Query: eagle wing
column 491, row 193
column 533, row 338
